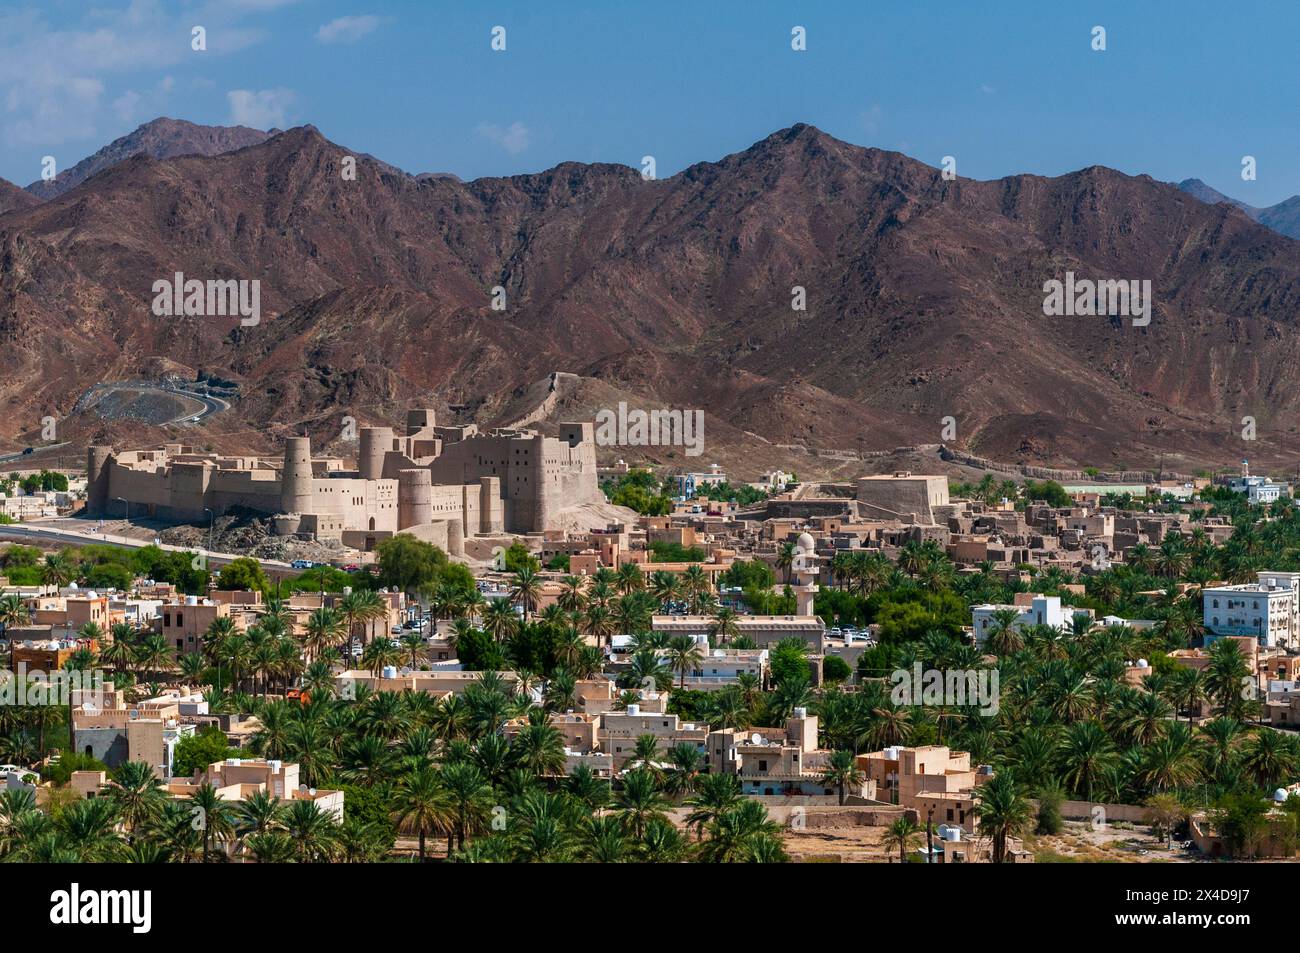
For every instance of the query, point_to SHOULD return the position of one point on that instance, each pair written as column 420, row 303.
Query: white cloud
column 987, row 90
column 514, row 138
column 134, row 106
column 54, row 77
column 347, row 29
column 126, row 107
column 870, row 119
column 261, row 108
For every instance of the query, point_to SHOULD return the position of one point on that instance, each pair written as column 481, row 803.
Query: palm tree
column 359, row 608
column 313, row 830
column 153, row 654
column 1004, row 637
column 413, row 642
column 571, row 599
column 688, row 763
column 663, row 586
column 630, row 578
column 213, row 816
column 526, row 589
column 470, row 799
column 684, row 656
column 13, row 611
column 599, row 622
column 1003, row 812
column 785, row 554
column 716, row 794
column 138, row 794
column 500, row 620
column 744, row 834
column 424, row 806
column 902, row 835
column 1268, row 757
column 695, row 586
column 259, row 813
column 539, row 746
column 725, row 626
column 639, row 801
column 58, row 569
column 323, row 628
column 1226, row 673
column 842, row 772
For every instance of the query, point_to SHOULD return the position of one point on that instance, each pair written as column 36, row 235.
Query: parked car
column 301, row 564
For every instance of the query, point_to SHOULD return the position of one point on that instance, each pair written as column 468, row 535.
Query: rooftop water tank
column 634, row 709
column 390, row 671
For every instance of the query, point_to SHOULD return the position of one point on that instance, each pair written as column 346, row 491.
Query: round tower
column 375, row 443
column 414, row 498
column 455, row 539
column 98, row 457
column 295, row 479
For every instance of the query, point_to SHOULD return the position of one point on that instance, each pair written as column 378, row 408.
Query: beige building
column 111, row 730
column 237, row 778
column 765, row 630
column 930, row 778
column 903, row 496
column 776, row 761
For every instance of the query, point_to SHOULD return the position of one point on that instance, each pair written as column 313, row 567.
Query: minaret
column 805, row 572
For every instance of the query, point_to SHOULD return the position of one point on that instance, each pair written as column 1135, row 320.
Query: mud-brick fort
column 439, row 483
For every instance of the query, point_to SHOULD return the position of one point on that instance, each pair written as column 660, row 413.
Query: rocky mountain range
column 924, row 301
column 1284, row 217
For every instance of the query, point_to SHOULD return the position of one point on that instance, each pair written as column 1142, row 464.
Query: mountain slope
column 924, row 299
column 160, row 139
column 12, row 197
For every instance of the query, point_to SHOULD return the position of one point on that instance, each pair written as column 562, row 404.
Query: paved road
column 34, row 531
column 36, row 451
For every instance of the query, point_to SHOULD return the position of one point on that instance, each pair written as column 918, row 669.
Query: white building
column 1258, row 489
column 1042, row 610
column 1268, row 609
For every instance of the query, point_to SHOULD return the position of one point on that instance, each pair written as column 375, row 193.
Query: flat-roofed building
column 764, row 630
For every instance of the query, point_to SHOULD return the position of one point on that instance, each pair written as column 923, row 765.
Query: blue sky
column 1183, row 89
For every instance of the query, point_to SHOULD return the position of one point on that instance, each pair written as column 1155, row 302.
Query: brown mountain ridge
column 924, row 299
